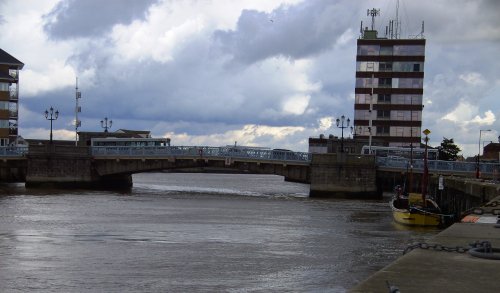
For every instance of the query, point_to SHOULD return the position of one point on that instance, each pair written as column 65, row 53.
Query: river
column 177, row 232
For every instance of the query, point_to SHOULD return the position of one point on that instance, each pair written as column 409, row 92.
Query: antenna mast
column 373, row 13
column 398, row 28
column 78, row 109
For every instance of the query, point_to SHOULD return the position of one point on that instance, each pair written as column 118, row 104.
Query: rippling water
column 193, row 233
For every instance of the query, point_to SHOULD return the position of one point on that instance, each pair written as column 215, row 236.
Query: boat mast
column 78, row 109
column 425, row 175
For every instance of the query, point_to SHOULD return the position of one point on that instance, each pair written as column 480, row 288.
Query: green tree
column 448, row 150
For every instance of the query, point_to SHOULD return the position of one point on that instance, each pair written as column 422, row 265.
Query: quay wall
column 343, row 175
column 459, row 194
column 13, row 169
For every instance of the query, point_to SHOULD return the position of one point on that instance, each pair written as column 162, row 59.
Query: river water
column 193, row 233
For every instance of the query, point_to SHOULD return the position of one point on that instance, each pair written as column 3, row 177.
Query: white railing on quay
column 11, row 151
column 200, row 151
column 437, row 165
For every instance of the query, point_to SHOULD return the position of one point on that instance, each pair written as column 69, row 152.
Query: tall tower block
column 389, row 85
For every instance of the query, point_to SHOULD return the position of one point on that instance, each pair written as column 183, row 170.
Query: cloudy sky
column 266, row 73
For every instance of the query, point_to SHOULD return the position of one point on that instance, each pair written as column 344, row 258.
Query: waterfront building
column 334, row 144
column 85, row 137
column 389, row 85
column 9, row 98
column 491, row 152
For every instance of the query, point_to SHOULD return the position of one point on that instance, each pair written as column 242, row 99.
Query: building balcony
column 14, row 73
column 14, row 96
column 13, row 115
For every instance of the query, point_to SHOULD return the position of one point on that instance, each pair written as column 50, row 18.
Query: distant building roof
column 7, row 59
column 84, row 137
column 491, row 151
column 142, row 133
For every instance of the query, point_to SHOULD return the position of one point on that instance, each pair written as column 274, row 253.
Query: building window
column 383, row 114
column 385, row 66
column 386, row 50
column 4, row 123
column 408, row 66
column 384, row 99
column 365, row 82
column 4, row 87
column 410, row 83
column 383, row 130
column 368, row 50
column 409, row 50
column 385, row 82
column 363, row 99
column 366, row 66
column 399, row 131
column 4, row 105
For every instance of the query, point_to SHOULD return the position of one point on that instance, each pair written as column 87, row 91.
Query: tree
column 448, row 151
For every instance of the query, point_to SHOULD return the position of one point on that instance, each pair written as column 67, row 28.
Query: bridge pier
column 342, row 175
column 68, row 167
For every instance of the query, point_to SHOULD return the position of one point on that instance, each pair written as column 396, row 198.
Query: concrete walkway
column 431, row 270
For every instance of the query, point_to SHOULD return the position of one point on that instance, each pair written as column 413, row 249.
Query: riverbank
column 443, row 264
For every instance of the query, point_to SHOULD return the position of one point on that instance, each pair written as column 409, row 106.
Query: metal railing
column 10, row 151
column 437, row 165
column 201, row 152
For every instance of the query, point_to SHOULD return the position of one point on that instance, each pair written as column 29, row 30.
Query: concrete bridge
column 111, row 166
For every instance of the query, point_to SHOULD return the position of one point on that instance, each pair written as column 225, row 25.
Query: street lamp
column 340, row 124
column 106, row 124
column 479, row 150
column 53, row 116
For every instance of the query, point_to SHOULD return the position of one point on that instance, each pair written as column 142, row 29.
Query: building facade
column 491, row 152
column 335, row 144
column 389, row 88
column 9, row 98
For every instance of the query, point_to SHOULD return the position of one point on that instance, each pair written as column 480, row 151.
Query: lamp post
column 340, row 124
column 479, row 151
column 106, row 124
column 53, row 116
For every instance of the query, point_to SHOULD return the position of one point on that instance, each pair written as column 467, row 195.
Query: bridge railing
column 437, row 165
column 10, row 151
column 201, row 151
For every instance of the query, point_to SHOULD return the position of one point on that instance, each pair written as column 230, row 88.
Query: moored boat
column 410, row 210
column 416, row 209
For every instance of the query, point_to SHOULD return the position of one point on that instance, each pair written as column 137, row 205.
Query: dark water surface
column 193, row 233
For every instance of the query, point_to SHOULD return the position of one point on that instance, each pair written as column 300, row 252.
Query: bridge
column 114, row 165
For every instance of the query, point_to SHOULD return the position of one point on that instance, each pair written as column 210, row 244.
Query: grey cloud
column 291, row 31
column 71, row 18
column 201, row 90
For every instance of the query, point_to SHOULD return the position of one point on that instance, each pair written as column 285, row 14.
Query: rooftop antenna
column 78, row 109
column 373, row 13
column 398, row 28
column 421, row 35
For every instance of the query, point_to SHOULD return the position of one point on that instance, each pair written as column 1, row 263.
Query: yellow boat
column 409, row 210
column 416, row 209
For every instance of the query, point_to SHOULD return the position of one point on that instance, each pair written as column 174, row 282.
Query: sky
column 267, row 73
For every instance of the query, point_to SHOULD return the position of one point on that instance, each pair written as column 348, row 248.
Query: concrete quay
column 432, row 270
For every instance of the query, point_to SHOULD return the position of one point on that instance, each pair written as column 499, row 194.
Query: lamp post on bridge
column 340, row 124
column 479, row 151
column 53, row 116
column 106, row 124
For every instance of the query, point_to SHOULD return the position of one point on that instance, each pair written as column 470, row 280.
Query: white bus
column 406, row 152
column 130, row 142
